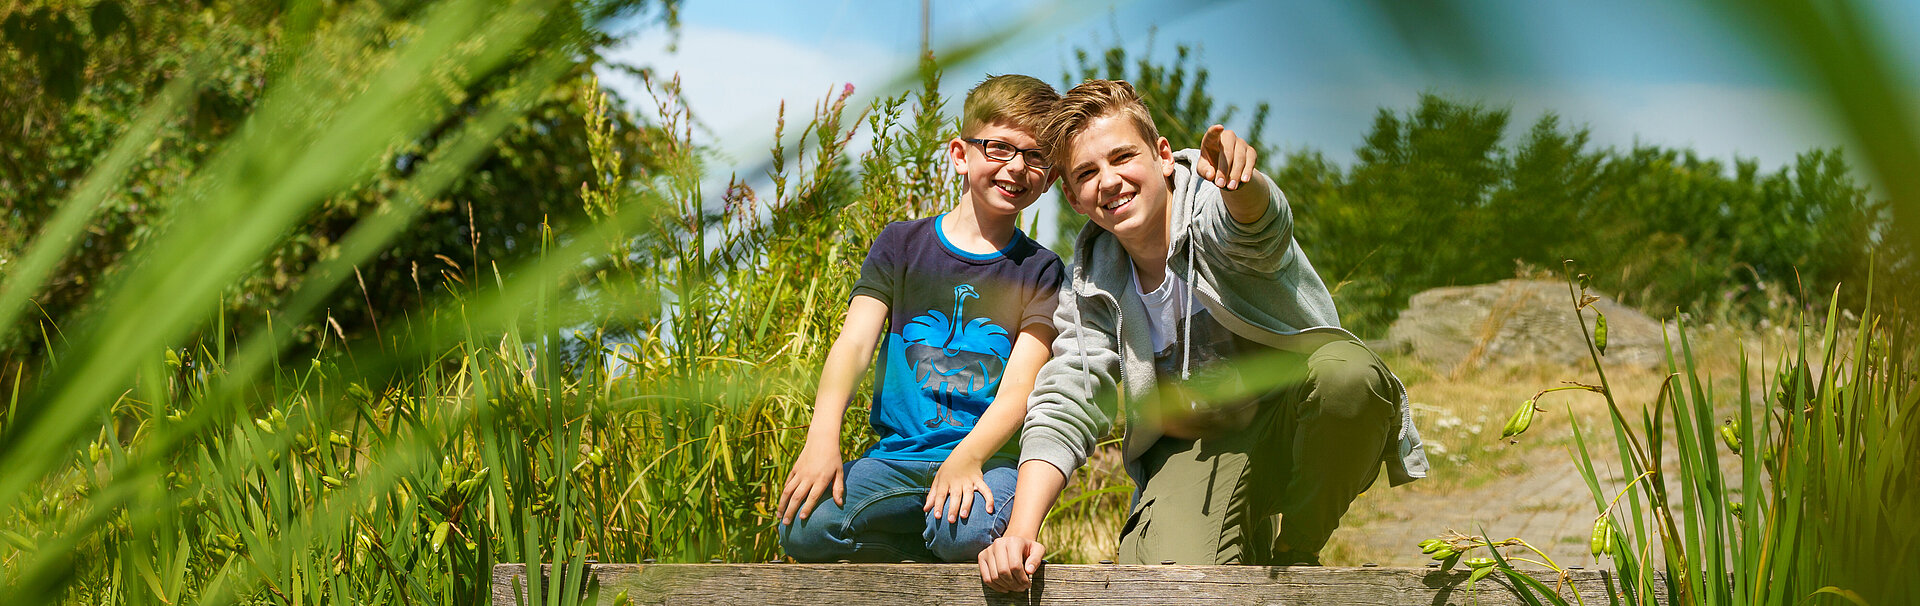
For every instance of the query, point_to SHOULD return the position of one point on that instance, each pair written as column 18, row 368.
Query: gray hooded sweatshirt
column 1254, row 280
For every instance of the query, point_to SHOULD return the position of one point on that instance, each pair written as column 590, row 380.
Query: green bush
column 1437, row 199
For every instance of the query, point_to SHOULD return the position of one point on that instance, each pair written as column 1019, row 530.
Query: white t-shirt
column 1166, row 307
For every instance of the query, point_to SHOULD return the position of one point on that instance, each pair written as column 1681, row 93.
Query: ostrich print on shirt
column 952, row 356
column 952, row 320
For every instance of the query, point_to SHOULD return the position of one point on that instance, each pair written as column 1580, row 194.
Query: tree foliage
column 1439, row 198
column 79, row 72
column 1443, row 194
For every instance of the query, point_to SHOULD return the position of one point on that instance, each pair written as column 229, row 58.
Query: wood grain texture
column 931, row 584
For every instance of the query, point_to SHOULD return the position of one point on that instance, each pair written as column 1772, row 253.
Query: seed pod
column 1738, row 508
column 1600, row 331
column 1444, row 553
column 332, row 482
column 1478, row 573
column 621, row 599
column 598, row 457
column 1430, row 545
column 1731, row 437
column 1478, row 562
column 440, row 535
column 1522, row 419
column 19, row 541
column 1602, row 537
column 338, row 439
column 264, row 425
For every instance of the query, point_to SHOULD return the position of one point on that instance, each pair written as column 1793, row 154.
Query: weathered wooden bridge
column 846, row 584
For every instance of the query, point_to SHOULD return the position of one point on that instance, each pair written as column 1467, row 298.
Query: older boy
column 1193, row 306
column 970, row 301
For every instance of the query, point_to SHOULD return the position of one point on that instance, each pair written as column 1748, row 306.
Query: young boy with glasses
column 965, row 301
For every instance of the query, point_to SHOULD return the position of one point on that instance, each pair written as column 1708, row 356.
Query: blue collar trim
column 969, row 255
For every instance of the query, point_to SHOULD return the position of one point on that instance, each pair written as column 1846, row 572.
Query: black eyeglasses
column 1002, row 151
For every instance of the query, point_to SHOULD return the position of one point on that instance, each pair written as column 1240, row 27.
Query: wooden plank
column 934, row 584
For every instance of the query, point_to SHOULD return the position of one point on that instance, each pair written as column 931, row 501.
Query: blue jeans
column 882, row 520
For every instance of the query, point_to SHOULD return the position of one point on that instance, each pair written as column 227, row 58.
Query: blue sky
column 1630, row 70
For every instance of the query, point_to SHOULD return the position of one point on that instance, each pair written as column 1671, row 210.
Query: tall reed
column 634, row 389
column 1803, row 489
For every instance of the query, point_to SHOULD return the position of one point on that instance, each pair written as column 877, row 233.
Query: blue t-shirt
column 952, row 319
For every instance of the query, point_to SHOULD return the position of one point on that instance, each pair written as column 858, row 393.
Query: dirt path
column 1547, row 505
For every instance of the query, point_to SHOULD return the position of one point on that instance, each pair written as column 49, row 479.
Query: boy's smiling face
column 1117, row 178
column 1003, row 188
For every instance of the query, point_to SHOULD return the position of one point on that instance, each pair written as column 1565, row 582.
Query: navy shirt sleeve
column 877, row 273
column 1045, row 296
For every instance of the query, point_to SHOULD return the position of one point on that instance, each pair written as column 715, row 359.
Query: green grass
column 1824, row 449
column 635, row 389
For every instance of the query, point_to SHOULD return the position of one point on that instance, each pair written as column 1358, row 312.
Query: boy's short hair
column 1020, row 101
column 1090, row 100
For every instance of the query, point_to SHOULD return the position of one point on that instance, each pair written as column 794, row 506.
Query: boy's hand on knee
column 1009, row 563
column 816, row 470
column 953, row 488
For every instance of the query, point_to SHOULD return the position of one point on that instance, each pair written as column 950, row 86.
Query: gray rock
column 1518, row 322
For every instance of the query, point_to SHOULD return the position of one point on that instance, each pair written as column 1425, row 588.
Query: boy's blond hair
column 1090, row 100
column 1022, row 102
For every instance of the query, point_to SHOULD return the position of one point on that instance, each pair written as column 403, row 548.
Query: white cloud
column 734, row 81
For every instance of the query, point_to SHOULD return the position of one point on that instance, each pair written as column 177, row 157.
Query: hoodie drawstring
column 1186, row 310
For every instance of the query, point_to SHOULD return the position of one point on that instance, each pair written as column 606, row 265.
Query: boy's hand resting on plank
column 1009, row 563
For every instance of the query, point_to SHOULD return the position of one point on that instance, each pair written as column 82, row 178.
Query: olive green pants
column 1315, row 443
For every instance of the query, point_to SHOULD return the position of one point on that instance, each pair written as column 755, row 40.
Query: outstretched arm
column 1251, row 229
column 818, row 468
